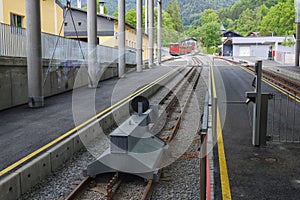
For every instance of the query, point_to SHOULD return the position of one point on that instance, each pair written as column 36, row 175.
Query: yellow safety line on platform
column 226, row 193
column 274, row 86
column 36, row 152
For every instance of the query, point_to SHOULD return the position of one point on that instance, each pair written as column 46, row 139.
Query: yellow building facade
column 13, row 12
column 130, row 39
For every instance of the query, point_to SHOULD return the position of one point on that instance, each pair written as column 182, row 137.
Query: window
column 16, row 20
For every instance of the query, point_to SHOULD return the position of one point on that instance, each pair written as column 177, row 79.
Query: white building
column 260, row 47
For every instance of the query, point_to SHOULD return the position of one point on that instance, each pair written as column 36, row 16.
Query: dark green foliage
column 264, row 16
column 174, row 11
column 188, row 8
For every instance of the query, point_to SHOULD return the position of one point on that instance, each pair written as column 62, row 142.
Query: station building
column 14, row 13
column 263, row 47
column 107, row 30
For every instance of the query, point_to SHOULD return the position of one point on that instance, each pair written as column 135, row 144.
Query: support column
column 121, row 36
column 151, row 33
column 34, row 54
column 159, row 26
column 297, row 50
column 139, row 38
column 257, row 105
column 92, row 43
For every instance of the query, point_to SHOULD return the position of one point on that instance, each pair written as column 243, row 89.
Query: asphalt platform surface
column 270, row 172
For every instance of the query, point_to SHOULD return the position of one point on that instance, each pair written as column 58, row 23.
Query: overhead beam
column 34, row 54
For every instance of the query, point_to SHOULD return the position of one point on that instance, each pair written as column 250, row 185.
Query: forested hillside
column 265, row 16
column 202, row 19
column 190, row 10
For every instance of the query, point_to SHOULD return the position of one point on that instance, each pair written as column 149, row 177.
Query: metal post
column 297, row 50
column 257, row 106
column 121, row 36
column 151, row 33
column 159, row 26
column 34, row 54
column 92, row 42
column 139, row 38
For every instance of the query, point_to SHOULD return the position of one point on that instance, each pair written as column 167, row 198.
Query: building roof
column 253, row 34
column 60, row 4
column 191, row 38
column 222, row 28
column 259, row 40
column 231, row 34
column 102, row 15
column 99, row 15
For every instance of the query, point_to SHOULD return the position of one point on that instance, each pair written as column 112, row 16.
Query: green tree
column 245, row 23
column 209, row 15
column 115, row 14
column 210, row 30
column 174, row 11
column 280, row 19
column 130, row 17
column 211, row 36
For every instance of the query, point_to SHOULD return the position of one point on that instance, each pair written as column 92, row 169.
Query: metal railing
column 283, row 120
column 13, row 44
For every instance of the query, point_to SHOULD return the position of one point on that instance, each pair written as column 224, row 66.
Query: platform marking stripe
column 65, row 135
column 226, row 193
column 274, row 86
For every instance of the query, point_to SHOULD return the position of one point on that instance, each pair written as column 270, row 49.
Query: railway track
column 293, row 87
column 172, row 109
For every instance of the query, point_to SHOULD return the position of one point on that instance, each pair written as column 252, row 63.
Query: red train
column 177, row 49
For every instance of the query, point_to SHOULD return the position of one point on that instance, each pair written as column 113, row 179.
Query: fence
column 283, row 119
column 285, row 57
column 13, row 44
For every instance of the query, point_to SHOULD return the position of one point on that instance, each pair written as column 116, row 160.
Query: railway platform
column 24, row 130
column 286, row 70
column 243, row 171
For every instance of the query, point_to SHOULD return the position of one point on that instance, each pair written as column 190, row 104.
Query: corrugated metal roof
column 258, row 40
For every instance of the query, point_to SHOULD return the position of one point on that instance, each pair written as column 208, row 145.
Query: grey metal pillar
column 139, row 38
column 92, row 42
column 121, row 36
column 297, row 50
column 159, row 26
column 151, row 33
column 257, row 106
column 34, row 54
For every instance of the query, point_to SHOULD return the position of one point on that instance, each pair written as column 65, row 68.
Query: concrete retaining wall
column 19, row 182
column 13, row 79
